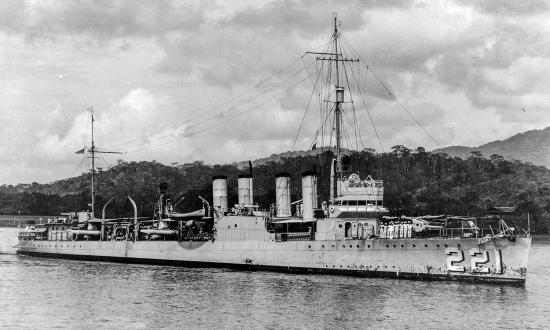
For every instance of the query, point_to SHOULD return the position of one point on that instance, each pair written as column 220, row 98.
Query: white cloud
column 156, row 70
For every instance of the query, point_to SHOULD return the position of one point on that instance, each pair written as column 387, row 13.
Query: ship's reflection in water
column 47, row 293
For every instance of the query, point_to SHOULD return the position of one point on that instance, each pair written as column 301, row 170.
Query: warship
column 350, row 234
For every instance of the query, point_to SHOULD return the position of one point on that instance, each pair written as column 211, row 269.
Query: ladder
column 127, row 247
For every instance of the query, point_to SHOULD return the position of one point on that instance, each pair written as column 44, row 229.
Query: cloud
column 102, row 19
column 182, row 80
column 508, row 7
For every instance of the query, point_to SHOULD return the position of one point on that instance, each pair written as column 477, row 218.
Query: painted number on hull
column 454, row 256
column 478, row 260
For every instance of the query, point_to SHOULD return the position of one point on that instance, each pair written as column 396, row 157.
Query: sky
column 225, row 81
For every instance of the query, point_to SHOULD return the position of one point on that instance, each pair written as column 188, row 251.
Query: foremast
column 338, row 101
column 92, row 151
column 337, row 172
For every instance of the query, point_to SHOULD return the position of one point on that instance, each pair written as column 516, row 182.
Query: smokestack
column 219, row 193
column 282, row 193
column 309, row 194
column 245, row 189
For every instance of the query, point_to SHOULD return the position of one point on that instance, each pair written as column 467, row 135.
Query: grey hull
column 496, row 261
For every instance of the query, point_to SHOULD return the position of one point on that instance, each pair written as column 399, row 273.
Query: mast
column 336, row 57
column 337, row 110
column 92, row 151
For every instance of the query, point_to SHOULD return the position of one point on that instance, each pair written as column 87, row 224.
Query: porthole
column 235, row 225
column 387, row 246
column 368, row 246
column 350, row 246
column 357, row 245
column 333, row 246
column 394, row 246
column 344, row 246
column 458, row 245
column 309, row 246
column 446, row 245
column 438, row 245
column 340, row 226
column 414, row 245
column 323, row 246
column 402, row 245
column 425, row 245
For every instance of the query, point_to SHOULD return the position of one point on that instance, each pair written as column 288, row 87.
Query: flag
column 81, row 151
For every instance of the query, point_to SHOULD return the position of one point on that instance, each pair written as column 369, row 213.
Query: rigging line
column 219, row 106
column 326, row 97
column 325, row 91
column 215, row 124
column 392, row 94
column 256, row 85
column 311, row 78
column 260, row 83
column 236, row 107
column 190, row 134
column 333, row 124
column 320, row 129
column 319, row 89
column 228, row 110
column 355, row 120
column 369, row 114
column 252, row 107
column 363, row 99
column 351, row 123
column 354, row 124
column 345, row 132
column 143, row 138
column 79, row 164
column 306, row 53
column 306, row 111
column 316, row 91
column 105, row 161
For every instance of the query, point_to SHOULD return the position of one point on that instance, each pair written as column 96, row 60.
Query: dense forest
column 416, row 182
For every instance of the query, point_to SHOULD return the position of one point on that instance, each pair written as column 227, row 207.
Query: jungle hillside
column 417, row 182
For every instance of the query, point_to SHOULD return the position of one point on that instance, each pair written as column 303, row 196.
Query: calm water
column 49, row 293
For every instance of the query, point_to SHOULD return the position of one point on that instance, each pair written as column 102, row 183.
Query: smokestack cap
column 241, row 176
column 216, row 177
column 308, row 173
column 282, row 174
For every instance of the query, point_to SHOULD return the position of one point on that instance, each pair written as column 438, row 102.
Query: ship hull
column 497, row 260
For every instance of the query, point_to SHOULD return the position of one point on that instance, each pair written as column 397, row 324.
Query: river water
column 52, row 293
